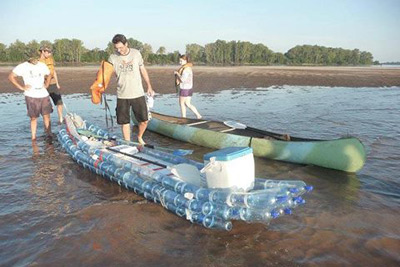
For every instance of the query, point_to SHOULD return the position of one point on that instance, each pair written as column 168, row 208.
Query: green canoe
column 345, row 154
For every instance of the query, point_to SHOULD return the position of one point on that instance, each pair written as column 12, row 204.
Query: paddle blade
column 182, row 152
column 235, row 124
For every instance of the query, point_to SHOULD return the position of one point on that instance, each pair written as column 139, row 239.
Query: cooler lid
column 228, row 153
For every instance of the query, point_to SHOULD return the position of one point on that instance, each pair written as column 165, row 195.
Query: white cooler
column 231, row 167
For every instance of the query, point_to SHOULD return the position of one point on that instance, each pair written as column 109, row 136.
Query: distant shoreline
column 208, row 79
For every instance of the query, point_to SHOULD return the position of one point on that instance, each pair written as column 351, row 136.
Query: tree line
column 218, row 53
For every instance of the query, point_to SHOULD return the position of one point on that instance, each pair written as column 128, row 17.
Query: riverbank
column 211, row 79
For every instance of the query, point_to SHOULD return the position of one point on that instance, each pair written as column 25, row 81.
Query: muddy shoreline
column 211, row 79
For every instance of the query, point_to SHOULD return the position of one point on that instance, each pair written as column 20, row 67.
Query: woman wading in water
column 184, row 81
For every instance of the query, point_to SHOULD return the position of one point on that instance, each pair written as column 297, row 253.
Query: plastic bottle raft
column 150, row 173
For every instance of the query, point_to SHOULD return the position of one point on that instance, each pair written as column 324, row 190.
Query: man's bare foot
column 141, row 142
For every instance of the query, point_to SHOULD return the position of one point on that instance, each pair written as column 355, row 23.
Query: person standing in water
column 37, row 98
column 184, row 79
column 54, row 87
column 129, row 68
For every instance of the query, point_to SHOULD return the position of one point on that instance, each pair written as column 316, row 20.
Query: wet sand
column 211, row 79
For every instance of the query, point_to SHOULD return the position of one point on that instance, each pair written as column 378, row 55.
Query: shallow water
column 54, row 212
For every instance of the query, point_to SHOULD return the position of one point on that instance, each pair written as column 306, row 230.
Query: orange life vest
column 102, row 80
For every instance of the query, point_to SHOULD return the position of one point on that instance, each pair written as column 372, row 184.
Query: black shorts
column 139, row 108
column 55, row 95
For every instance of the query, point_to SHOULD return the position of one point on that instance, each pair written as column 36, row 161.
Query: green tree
column 135, row 44
column 196, row 53
column 260, row 54
column 279, row 58
column 46, row 43
column 94, row 55
column 110, row 48
column 3, row 52
column 63, row 51
column 146, row 51
column 173, row 58
column 220, row 50
column 161, row 50
column 32, row 47
column 244, row 52
column 16, row 51
column 366, row 58
column 209, row 51
column 77, row 50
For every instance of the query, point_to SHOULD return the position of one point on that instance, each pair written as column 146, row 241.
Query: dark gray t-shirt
column 129, row 80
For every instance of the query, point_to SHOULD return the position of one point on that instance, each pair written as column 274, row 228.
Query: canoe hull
column 345, row 154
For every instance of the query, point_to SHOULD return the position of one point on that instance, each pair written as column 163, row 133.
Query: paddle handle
column 137, row 157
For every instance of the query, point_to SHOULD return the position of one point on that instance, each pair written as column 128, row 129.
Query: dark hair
column 184, row 57
column 119, row 38
column 45, row 48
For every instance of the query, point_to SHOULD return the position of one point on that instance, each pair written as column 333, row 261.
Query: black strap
column 137, row 157
column 106, row 106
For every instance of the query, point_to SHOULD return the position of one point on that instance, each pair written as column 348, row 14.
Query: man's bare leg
column 60, row 113
column 126, row 131
column 47, row 124
column 33, row 128
column 142, row 128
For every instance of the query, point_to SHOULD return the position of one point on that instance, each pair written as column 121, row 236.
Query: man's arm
column 56, row 79
column 146, row 78
column 12, row 77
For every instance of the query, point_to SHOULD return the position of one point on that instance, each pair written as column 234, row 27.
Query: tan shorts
column 38, row 106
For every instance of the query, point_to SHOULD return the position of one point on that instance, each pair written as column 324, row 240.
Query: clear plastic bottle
column 257, row 215
column 221, row 211
column 295, row 187
column 212, row 222
column 257, row 200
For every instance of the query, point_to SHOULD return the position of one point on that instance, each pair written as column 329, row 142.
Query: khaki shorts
column 38, row 106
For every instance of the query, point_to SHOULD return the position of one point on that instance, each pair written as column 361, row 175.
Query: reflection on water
column 53, row 211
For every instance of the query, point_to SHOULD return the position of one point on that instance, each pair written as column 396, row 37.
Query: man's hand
column 12, row 77
column 150, row 91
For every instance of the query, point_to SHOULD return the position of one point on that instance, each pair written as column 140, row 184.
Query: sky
column 369, row 25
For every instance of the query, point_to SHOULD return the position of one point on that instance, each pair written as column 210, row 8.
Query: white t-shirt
column 127, row 69
column 187, row 79
column 33, row 75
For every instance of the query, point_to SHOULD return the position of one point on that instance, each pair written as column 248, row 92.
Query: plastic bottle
column 211, row 222
column 221, row 211
column 257, row 200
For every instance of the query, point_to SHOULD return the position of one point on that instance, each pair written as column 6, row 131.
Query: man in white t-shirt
column 37, row 98
column 129, row 69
